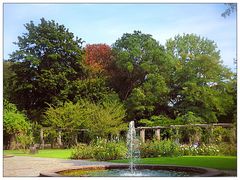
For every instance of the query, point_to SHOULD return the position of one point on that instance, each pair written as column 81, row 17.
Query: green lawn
column 48, row 153
column 217, row 162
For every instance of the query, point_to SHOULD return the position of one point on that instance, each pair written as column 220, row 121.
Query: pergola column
column 157, row 134
column 59, row 138
column 76, row 138
column 41, row 139
column 211, row 134
column 177, row 138
column 142, row 135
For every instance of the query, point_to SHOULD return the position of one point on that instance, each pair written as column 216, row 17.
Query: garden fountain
column 133, row 147
column 132, row 169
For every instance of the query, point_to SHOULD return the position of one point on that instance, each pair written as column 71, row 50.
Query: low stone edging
column 204, row 172
column 8, row 156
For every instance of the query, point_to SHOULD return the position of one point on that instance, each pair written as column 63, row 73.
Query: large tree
column 136, row 55
column 141, row 74
column 201, row 83
column 48, row 60
column 7, row 81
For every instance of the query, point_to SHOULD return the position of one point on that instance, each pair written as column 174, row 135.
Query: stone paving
column 21, row 166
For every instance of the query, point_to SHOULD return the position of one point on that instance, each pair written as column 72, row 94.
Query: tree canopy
column 101, row 119
column 48, row 60
column 53, row 77
column 200, row 82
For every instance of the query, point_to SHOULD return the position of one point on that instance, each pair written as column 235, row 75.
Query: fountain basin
column 123, row 170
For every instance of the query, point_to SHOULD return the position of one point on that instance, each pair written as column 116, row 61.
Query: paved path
column 22, row 166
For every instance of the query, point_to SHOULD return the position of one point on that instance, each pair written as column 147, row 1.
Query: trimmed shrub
column 226, row 149
column 100, row 150
column 159, row 148
column 82, row 151
column 109, row 150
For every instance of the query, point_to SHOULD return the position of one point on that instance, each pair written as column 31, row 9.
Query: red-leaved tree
column 98, row 57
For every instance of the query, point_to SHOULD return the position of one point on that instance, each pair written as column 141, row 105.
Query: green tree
column 231, row 8
column 101, row 119
column 67, row 116
column 15, row 124
column 49, row 59
column 136, row 55
column 106, row 118
column 7, row 79
column 200, row 83
column 92, row 88
column 141, row 76
column 148, row 99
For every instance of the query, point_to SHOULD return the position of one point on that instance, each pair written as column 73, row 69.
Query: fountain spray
column 133, row 147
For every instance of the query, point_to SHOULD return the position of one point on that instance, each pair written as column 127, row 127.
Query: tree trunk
column 12, row 142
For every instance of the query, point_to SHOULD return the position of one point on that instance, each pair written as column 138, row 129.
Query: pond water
column 126, row 172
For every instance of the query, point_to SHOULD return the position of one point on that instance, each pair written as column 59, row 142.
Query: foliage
column 189, row 150
column 232, row 7
column 220, row 134
column 188, row 46
column 216, row 162
column 101, row 150
column 94, row 89
column 58, row 83
column 16, row 125
column 7, row 79
column 66, row 116
column 49, row 59
column 14, row 121
column 82, row 151
column 157, row 148
column 200, row 83
column 24, row 141
column 170, row 148
column 157, row 121
column 136, row 55
column 188, row 118
column 98, row 57
column 209, row 150
column 100, row 119
column 228, row 149
column 145, row 99
column 109, row 150
column 105, row 118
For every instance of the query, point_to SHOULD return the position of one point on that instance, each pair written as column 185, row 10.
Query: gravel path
column 21, row 166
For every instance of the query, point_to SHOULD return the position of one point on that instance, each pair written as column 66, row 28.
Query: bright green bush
column 228, row 149
column 170, row 148
column 24, row 141
column 100, row 150
column 82, row 151
column 109, row 150
column 159, row 148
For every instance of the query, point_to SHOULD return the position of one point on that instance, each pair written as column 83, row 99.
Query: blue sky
column 105, row 23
